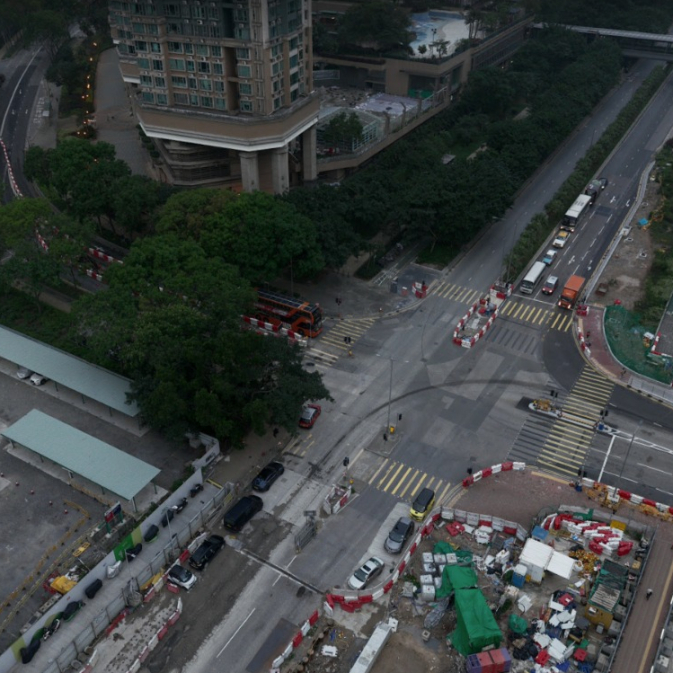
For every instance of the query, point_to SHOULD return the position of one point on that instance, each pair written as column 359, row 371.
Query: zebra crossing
column 544, row 315
column 404, row 481
column 332, row 345
column 554, row 444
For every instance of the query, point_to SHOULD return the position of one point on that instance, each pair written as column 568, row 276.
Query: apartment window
column 218, row 69
column 190, row 66
column 148, row 97
column 244, row 71
column 216, row 52
column 219, row 86
column 189, row 48
column 175, row 47
column 294, row 94
column 193, row 99
column 172, row 9
column 176, row 63
column 156, row 48
column 162, row 99
column 153, row 29
column 245, row 89
column 206, row 101
column 294, row 78
column 144, row 63
column 294, row 60
column 181, row 98
column 141, row 45
column 276, row 103
column 275, row 68
column 206, row 85
column 202, row 50
column 180, row 82
column 174, row 29
column 243, row 54
column 246, row 106
column 193, row 84
column 157, row 65
column 293, row 43
column 139, row 28
column 204, row 67
column 160, row 82
column 220, row 104
column 145, row 80
column 276, row 86
column 198, row 12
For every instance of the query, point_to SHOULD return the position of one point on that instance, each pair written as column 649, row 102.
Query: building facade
column 224, row 87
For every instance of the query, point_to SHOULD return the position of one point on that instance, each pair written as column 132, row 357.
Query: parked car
column 422, row 504
column 263, row 481
column 242, row 512
column 561, row 239
column 597, row 185
column 38, row 380
column 549, row 257
column 206, row 552
column 309, row 415
column 550, row 285
column 398, row 536
column 23, row 373
column 366, row 573
column 181, row 577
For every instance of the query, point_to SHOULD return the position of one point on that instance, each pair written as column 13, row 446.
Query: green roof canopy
column 112, row 469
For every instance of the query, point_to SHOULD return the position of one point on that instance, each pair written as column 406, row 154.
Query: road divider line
column 236, row 633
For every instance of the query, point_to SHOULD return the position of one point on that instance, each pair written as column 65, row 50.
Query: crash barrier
column 296, row 641
column 602, row 538
column 276, row 330
column 489, row 305
column 583, row 344
column 494, row 469
column 99, row 254
column 614, row 496
column 420, row 290
column 582, row 310
column 336, row 499
column 10, row 172
column 149, row 576
column 154, row 640
column 458, row 521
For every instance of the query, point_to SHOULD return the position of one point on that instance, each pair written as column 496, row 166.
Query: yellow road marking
column 420, row 481
column 385, row 476
column 411, row 481
column 402, row 479
column 376, row 474
column 444, row 492
column 397, row 471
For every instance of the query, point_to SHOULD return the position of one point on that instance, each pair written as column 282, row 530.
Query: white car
column 38, row 380
column 561, row 239
column 182, row 577
column 363, row 575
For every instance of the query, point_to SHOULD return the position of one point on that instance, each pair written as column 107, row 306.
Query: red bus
column 294, row 314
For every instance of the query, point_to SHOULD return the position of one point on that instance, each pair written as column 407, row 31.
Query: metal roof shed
column 113, row 470
column 70, row 371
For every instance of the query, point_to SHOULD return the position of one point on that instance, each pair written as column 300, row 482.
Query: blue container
column 518, row 580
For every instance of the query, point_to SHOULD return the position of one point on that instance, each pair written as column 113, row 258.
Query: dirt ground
column 630, row 264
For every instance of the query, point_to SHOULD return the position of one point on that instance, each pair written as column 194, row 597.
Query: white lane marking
column 235, row 633
column 607, row 455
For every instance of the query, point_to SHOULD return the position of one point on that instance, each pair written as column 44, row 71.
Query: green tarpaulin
column 456, row 577
column 476, row 627
column 517, row 624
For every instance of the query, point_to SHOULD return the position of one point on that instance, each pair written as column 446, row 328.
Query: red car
column 309, row 416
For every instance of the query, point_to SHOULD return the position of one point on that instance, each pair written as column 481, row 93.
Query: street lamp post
column 390, row 393
column 168, row 521
column 628, row 451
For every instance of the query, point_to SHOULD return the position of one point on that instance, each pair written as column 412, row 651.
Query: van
column 242, row 512
column 422, row 504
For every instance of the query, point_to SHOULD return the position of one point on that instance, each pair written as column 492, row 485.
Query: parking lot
column 43, row 516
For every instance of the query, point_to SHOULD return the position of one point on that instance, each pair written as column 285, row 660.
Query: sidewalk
column 598, row 354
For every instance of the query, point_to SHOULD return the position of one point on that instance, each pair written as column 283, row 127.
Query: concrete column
column 308, row 153
column 280, row 171
column 249, row 171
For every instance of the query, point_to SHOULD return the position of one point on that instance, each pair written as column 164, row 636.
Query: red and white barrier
column 494, row 469
column 655, row 350
column 94, row 252
column 497, row 294
column 95, row 275
column 296, row 641
column 12, row 180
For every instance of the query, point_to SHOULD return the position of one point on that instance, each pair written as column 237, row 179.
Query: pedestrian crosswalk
column 543, row 315
column 404, row 481
column 447, row 290
column 333, row 344
column 557, row 445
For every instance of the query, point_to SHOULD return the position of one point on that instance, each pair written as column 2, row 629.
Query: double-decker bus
column 533, row 277
column 294, row 314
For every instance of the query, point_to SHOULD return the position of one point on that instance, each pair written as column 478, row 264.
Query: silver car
column 363, row 575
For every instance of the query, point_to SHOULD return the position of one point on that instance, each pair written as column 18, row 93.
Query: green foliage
column 170, row 320
column 343, row 129
column 261, row 234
